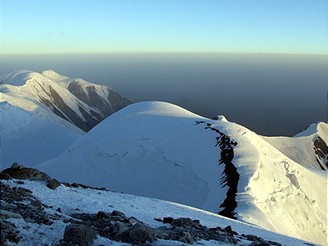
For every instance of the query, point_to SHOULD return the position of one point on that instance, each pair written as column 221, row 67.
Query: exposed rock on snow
column 53, row 184
column 101, row 97
column 220, row 118
column 17, row 171
column 308, row 148
column 118, row 227
column 230, row 174
column 321, row 151
column 81, row 235
column 22, row 213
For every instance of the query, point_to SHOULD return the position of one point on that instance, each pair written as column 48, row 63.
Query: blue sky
column 98, row 26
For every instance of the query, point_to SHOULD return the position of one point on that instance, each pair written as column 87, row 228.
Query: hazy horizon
column 270, row 94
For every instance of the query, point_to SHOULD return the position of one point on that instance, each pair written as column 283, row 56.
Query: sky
column 100, row 26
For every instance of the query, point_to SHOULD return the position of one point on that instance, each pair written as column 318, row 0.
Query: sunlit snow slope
column 160, row 150
column 308, row 148
column 79, row 102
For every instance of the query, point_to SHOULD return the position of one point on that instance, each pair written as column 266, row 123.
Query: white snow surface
column 73, row 200
column 55, row 76
column 64, row 81
column 156, row 149
column 80, row 102
column 319, row 128
column 36, row 87
column 300, row 148
column 30, row 133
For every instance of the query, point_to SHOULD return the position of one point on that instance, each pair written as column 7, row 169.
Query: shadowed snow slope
column 160, row 150
column 31, row 134
column 81, row 103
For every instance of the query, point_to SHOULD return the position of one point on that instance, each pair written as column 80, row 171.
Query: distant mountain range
column 160, row 150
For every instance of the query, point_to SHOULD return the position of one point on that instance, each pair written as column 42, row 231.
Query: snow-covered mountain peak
column 82, row 105
column 19, row 77
column 54, row 75
column 4, row 105
column 320, row 128
column 156, row 108
column 323, row 128
column 160, row 150
column 221, row 118
column 316, row 129
column 308, row 148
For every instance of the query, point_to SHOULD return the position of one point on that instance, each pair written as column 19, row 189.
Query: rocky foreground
column 83, row 228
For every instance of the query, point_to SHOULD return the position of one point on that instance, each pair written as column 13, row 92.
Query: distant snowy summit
column 80, row 102
column 308, row 148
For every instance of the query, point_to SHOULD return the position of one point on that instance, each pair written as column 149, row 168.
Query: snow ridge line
column 230, row 174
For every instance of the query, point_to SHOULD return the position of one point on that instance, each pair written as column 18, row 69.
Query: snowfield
column 41, row 114
column 31, row 134
column 160, row 150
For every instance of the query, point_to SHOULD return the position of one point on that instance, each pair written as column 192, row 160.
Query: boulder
column 137, row 234
column 81, row 235
column 53, row 184
column 17, row 171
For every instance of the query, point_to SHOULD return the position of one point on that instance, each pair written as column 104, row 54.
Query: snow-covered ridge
column 54, row 76
column 80, row 102
column 159, row 150
column 309, row 148
column 18, row 78
column 156, row 108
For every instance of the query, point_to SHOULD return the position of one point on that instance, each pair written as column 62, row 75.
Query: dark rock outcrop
column 53, row 184
column 8, row 232
column 190, row 231
column 136, row 234
column 117, row 226
column 321, row 150
column 18, row 200
column 81, row 235
column 17, row 171
column 76, row 185
column 230, row 174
